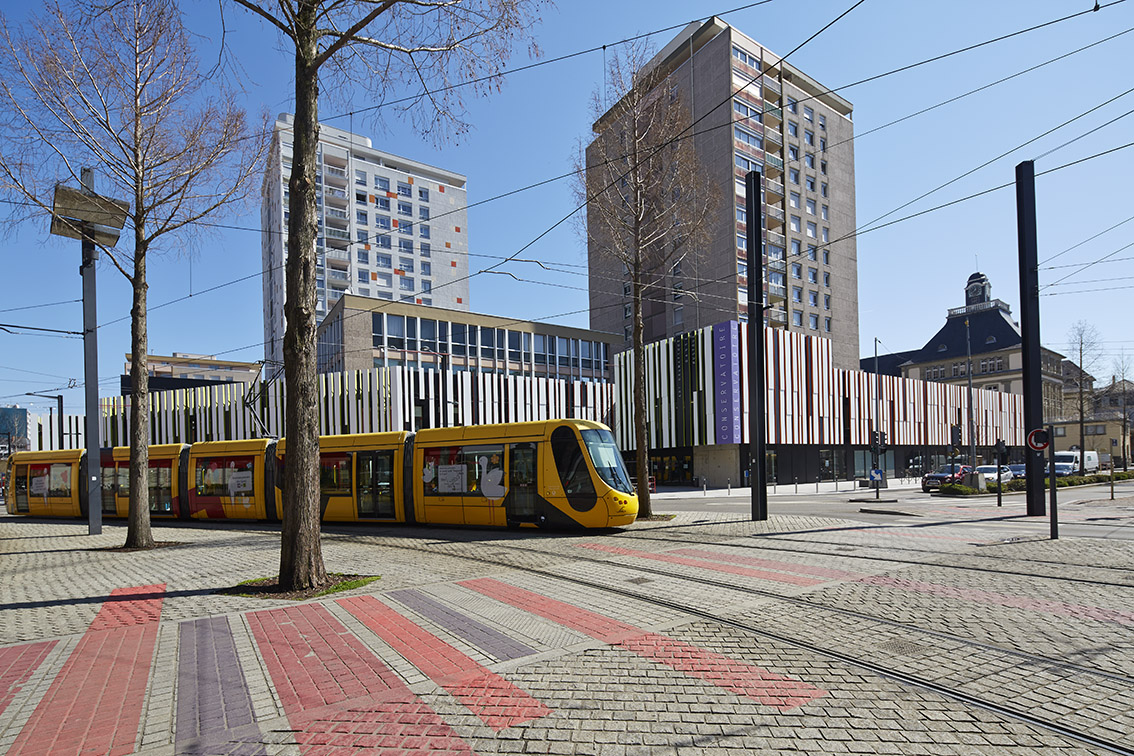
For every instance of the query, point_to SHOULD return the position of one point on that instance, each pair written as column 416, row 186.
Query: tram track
column 904, row 677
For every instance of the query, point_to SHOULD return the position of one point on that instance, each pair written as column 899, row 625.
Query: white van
column 1090, row 460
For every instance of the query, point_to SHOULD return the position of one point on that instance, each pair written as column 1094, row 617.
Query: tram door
column 375, row 476
column 522, row 491
column 109, row 482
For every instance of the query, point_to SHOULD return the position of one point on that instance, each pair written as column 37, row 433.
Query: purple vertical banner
column 726, row 369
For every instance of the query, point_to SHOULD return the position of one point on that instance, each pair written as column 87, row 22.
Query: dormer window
column 990, row 340
column 941, row 348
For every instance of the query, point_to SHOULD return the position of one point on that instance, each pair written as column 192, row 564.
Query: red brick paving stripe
column 17, row 664
column 778, row 577
column 338, row 696
column 94, row 704
column 1079, row 611
column 774, row 564
column 497, row 702
column 738, row 677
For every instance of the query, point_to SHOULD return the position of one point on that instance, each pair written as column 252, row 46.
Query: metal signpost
column 82, row 214
column 756, row 420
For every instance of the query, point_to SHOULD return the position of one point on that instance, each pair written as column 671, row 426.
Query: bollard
column 704, row 487
column 797, row 484
column 729, row 487
column 818, row 480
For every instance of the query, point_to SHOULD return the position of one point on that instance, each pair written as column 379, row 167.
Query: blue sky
column 910, row 272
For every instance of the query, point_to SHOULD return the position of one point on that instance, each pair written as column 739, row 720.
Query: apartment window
column 808, row 114
column 406, row 209
column 811, row 207
column 626, row 332
column 792, row 128
column 797, row 294
column 811, row 252
column 792, row 105
column 827, row 325
column 796, row 270
column 746, row 164
column 822, row 144
column 810, row 183
column 793, row 199
column 823, row 212
column 677, row 290
column 775, row 252
column 813, row 275
column 793, row 152
column 823, row 122
column 826, row 257
column 360, row 198
column 809, row 137
column 382, row 203
column 425, row 250
column 811, row 229
column 813, row 321
column 361, row 236
column 382, row 221
column 381, row 184
column 405, row 227
column 823, row 189
column 813, row 298
column 361, row 217
column 363, row 276
column 823, row 167
column 360, row 177
column 426, row 269
column 404, row 190
column 422, row 213
column 382, row 241
column 809, row 161
column 796, row 247
column 793, row 175
column 627, row 310
column 426, row 287
column 384, row 279
column 795, row 223
column 826, row 301
column 406, row 264
column 742, row 242
column 363, row 291
column 422, row 194
column 364, row 257
column 741, row 215
column 405, row 246
column 423, row 231
column 826, row 235
column 741, row 269
column 383, row 261
column 678, row 316
column 747, row 137
column 626, row 289
column 742, row 294
column 746, row 58
column 405, row 283
column 797, row 318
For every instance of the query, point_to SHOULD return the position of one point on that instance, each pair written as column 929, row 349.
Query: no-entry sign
column 1038, row 440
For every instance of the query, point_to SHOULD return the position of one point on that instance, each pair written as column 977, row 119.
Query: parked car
column 989, row 473
column 1062, row 469
column 1019, row 471
column 951, row 473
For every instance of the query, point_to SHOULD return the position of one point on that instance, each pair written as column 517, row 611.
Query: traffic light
column 1001, row 452
column 874, row 439
column 955, row 435
column 882, row 442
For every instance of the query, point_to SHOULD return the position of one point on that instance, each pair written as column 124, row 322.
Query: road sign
column 876, row 475
column 1038, row 440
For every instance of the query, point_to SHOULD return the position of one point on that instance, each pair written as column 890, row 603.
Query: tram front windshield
column 606, row 459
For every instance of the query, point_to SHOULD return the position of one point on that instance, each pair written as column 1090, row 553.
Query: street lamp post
column 972, row 416
column 82, row 214
column 59, row 399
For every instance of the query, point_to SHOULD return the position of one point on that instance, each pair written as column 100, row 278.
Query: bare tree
column 430, row 45
column 1120, row 390
column 1083, row 339
column 648, row 202
column 116, row 86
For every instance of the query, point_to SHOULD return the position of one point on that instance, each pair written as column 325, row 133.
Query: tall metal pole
column 877, row 421
column 756, row 413
column 972, row 418
column 1030, row 329
column 90, row 371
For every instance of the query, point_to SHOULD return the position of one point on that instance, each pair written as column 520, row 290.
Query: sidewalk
column 788, row 489
column 484, row 641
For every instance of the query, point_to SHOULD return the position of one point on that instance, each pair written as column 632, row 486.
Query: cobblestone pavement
column 701, row 635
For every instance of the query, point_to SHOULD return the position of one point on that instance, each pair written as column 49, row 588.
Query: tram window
column 606, row 459
column 123, row 474
column 109, row 488
column 161, row 487
column 572, row 467
column 459, row 470
column 38, row 476
column 21, row 488
column 60, row 485
column 334, row 474
column 224, row 476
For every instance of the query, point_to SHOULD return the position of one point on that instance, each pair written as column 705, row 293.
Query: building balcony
column 333, row 212
column 335, row 233
column 770, row 84
column 777, row 266
column 335, row 196
column 778, row 239
column 773, row 136
column 777, row 293
column 334, row 175
column 338, row 258
column 774, row 217
column 773, row 115
column 773, row 188
column 777, row 318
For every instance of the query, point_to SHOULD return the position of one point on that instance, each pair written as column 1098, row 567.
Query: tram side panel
column 231, row 480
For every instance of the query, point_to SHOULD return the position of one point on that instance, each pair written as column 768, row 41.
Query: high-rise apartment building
column 799, row 136
column 389, row 228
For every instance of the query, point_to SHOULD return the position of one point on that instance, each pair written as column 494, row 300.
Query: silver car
column 989, row 472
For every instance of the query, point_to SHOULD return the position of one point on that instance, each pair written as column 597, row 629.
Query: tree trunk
column 138, row 533
column 641, row 411
column 301, row 555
